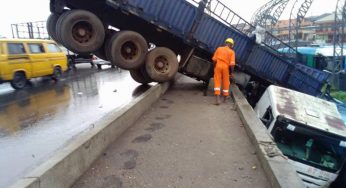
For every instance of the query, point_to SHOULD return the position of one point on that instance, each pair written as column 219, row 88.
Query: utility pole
column 338, row 40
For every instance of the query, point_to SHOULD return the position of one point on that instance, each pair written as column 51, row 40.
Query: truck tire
column 127, row 50
column 161, row 64
column 101, row 52
column 19, row 80
column 51, row 26
column 58, row 28
column 80, row 31
column 140, row 76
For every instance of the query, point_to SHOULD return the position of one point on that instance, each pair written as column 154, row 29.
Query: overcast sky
column 19, row 11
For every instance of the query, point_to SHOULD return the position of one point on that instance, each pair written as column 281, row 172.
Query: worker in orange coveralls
column 224, row 59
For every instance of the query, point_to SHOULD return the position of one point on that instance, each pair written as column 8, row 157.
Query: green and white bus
column 309, row 131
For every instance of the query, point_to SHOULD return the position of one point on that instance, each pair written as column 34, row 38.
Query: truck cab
column 309, row 131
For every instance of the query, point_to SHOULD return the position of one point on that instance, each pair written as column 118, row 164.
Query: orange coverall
column 224, row 57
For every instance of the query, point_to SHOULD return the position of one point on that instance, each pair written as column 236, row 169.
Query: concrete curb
column 68, row 164
column 278, row 171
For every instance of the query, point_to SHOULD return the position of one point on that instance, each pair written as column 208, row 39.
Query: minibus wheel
column 19, row 80
column 57, row 74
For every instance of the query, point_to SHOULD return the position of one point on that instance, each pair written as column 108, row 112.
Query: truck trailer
column 146, row 36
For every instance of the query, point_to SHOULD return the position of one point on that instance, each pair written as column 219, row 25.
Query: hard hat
column 230, row 41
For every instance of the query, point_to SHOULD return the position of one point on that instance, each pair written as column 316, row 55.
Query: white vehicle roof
column 328, row 51
column 306, row 109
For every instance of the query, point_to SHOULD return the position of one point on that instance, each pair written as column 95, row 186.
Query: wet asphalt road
column 183, row 140
column 37, row 121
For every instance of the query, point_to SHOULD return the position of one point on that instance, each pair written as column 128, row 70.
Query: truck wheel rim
column 161, row 64
column 129, row 51
column 82, row 32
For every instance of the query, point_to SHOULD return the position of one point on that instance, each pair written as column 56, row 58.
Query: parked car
column 74, row 58
column 23, row 59
column 100, row 62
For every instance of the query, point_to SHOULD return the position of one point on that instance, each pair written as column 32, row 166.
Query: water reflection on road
column 38, row 120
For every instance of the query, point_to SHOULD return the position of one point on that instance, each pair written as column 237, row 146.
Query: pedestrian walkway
column 182, row 141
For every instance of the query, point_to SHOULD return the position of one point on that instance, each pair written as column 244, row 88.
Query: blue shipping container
column 319, row 75
column 299, row 80
column 175, row 16
column 211, row 33
column 268, row 66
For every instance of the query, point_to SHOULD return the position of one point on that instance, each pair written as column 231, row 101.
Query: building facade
column 313, row 30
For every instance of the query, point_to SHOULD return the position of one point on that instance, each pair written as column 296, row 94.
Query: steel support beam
column 296, row 18
column 261, row 15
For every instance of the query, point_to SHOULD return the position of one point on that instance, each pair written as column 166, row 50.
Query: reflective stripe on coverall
column 224, row 57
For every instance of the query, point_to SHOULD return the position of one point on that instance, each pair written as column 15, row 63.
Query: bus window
column 15, row 48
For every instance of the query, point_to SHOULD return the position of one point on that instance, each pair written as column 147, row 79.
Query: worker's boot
column 217, row 100
column 225, row 98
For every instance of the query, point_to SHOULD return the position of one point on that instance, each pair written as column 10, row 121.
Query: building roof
column 315, row 18
column 326, row 18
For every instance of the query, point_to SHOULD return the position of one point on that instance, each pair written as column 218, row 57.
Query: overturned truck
column 146, row 37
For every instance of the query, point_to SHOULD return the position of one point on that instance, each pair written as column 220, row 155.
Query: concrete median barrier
column 69, row 163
